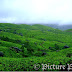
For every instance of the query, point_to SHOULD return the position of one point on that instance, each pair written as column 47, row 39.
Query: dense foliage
column 22, row 46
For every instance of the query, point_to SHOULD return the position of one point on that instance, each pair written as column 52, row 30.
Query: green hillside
column 22, row 46
column 69, row 30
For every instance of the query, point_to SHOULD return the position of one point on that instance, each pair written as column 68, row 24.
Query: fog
column 36, row 11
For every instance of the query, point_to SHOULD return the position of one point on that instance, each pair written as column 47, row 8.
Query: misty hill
column 61, row 27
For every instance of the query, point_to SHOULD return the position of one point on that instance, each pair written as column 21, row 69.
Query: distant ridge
column 61, row 27
column 56, row 26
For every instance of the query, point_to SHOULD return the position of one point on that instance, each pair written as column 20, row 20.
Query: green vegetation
column 22, row 46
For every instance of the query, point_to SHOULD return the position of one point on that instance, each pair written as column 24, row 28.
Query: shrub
column 69, row 55
column 56, row 47
column 24, row 51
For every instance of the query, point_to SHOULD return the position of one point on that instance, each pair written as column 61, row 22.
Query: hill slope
column 22, row 46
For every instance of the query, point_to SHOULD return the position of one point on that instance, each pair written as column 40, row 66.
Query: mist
column 36, row 11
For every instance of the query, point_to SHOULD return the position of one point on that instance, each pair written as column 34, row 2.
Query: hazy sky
column 36, row 11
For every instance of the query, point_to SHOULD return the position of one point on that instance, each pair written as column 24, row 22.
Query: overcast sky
column 36, row 11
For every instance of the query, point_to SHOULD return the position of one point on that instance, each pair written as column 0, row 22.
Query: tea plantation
column 22, row 46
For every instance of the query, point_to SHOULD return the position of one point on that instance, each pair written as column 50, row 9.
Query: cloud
column 36, row 11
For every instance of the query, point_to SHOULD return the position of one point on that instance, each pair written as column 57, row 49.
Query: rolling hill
column 22, row 46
